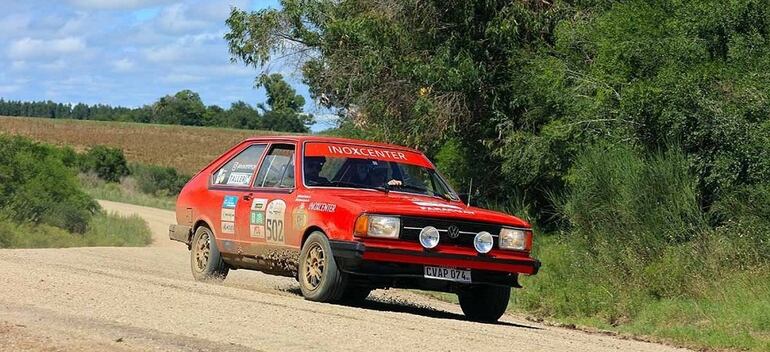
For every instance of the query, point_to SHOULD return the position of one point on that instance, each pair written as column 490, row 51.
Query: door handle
column 247, row 197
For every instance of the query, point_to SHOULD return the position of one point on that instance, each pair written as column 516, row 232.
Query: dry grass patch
column 185, row 148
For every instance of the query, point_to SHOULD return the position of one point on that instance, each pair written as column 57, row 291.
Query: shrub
column 158, row 180
column 103, row 230
column 108, row 163
column 621, row 199
column 36, row 187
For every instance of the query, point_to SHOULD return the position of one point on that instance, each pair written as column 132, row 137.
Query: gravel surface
column 127, row 299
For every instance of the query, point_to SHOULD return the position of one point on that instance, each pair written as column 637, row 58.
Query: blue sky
column 127, row 52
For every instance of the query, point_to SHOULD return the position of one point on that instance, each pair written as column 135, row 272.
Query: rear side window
column 240, row 169
column 277, row 170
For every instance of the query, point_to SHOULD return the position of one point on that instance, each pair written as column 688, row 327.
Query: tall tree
column 183, row 108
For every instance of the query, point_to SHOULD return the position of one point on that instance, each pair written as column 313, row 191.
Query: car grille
column 411, row 227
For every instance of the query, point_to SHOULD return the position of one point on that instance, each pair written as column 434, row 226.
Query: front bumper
column 358, row 258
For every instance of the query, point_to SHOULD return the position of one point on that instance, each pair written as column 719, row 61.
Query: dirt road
column 115, row 299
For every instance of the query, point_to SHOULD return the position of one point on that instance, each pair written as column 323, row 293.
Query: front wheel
column 484, row 303
column 320, row 279
column 205, row 260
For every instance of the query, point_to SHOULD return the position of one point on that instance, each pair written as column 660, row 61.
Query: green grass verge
column 124, row 192
column 728, row 312
column 103, row 230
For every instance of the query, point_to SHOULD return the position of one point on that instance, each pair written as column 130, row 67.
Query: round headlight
column 429, row 237
column 483, row 242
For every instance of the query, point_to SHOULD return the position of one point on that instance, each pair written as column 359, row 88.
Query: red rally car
column 345, row 217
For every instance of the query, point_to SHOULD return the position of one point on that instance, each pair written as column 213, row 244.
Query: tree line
column 283, row 110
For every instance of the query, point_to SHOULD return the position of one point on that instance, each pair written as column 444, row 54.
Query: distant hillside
column 184, row 148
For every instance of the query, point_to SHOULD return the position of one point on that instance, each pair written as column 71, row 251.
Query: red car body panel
column 233, row 213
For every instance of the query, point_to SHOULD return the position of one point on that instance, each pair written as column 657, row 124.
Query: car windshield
column 376, row 174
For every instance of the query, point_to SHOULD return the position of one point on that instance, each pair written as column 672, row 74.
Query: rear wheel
column 484, row 303
column 319, row 277
column 205, row 260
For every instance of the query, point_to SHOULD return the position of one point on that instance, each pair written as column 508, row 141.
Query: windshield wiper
column 359, row 185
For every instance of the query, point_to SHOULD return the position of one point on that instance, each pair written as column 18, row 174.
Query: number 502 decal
column 274, row 221
column 274, row 229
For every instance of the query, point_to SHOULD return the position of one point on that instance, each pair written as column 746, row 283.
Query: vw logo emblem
column 453, row 232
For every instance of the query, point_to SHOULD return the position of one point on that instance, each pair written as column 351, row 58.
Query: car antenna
column 470, row 191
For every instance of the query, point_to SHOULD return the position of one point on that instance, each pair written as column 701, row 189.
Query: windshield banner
column 365, row 152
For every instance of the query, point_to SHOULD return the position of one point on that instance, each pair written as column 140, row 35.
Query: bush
column 36, row 187
column 103, row 230
column 108, row 163
column 621, row 199
column 158, row 180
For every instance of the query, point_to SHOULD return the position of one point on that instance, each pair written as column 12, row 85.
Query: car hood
column 398, row 203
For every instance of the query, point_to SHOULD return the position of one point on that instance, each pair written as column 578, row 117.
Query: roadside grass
column 729, row 311
column 105, row 229
column 185, row 148
column 125, row 192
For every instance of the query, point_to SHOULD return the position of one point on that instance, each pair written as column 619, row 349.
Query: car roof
column 325, row 139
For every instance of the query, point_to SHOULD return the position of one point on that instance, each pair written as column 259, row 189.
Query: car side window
column 277, row 170
column 240, row 169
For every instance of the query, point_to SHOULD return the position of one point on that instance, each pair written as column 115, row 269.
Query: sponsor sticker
column 228, row 214
column 258, row 204
column 230, row 202
column 257, row 217
column 299, row 217
column 274, row 222
column 302, row 198
column 325, row 207
column 237, row 166
column 344, row 150
column 221, row 176
column 239, row 179
column 257, row 231
column 228, row 227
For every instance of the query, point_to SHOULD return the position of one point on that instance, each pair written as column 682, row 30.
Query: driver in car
column 313, row 166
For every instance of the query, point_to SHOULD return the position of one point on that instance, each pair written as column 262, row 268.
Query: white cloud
column 18, row 65
column 189, row 48
column 117, row 4
column 10, row 88
column 30, row 48
column 182, row 78
column 14, row 24
column 176, row 19
column 216, row 10
column 123, row 65
column 56, row 65
column 76, row 25
column 164, row 54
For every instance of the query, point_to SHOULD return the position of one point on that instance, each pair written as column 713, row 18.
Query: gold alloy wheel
column 314, row 266
column 202, row 251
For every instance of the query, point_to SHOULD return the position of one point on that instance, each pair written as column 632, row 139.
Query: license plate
column 457, row 275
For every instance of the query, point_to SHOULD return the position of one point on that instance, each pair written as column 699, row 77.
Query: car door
column 269, row 220
column 229, row 188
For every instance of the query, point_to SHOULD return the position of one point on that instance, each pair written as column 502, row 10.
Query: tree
column 280, row 95
column 241, row 115
column 183, row 108
column 285, row 113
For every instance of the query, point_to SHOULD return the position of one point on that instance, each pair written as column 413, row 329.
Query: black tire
column 205, row 260
column 355, row 294
column 320, row 279
column 484, row 303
